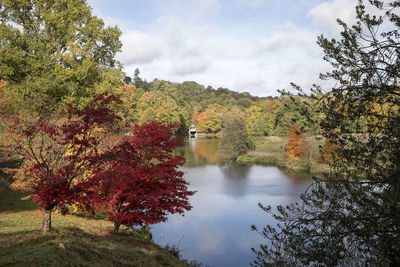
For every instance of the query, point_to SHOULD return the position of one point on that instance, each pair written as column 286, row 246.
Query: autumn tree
column 352, row 218
column 157, row 106
column 140, row 183
column 130, row 97
column 52, row 51
column 195, row 116
column 60, row 155
column 329, row 151
column 296, row 147
column 258, row 123
column 208, row 121
column 6, row 99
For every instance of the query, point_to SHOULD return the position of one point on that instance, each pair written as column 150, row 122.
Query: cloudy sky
column 255, row 46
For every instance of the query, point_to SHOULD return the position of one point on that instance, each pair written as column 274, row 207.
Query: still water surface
column 217, row 232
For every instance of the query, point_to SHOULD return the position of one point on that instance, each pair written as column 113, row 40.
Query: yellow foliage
column 6, row 99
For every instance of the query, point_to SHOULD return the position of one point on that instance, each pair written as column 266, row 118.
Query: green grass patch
column 270, row 151
column 250, row 159
column 74, row 241
column 277, row 148
column 10, row 200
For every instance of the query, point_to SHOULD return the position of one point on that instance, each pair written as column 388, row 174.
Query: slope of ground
column 74, row 241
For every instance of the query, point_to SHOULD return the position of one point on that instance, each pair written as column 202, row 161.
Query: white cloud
column 175, row 49
column 287, row 38
column 249, row 82
column 138, row 47
column 190, row 65
column 257, row 65
column 325, row 15
column 291, row 55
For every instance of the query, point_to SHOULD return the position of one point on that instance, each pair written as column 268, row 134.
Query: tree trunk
column 116, row 227
column 46, row 220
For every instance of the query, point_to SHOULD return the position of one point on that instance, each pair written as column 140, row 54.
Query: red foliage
column 295, row 147
column 140, row 183
column 70, row 162
column 59, row 155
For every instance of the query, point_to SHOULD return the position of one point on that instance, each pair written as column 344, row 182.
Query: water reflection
column 217, row 230
column 200, row 152
column 234, row 171
column 236, row 180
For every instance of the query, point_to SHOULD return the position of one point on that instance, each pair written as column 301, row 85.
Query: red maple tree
column 60, row 155
column 140, row 183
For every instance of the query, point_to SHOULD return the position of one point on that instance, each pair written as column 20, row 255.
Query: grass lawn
column 271, row 151
column 74, row 241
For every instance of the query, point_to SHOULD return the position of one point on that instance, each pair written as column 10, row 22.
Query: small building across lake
column 192, row 131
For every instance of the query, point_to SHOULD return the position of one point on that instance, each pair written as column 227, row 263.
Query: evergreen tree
column 235, row 141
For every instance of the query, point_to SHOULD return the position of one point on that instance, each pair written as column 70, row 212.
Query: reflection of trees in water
column 199, row 152
column 297, row 178
column 234, row 171
column 236, row 179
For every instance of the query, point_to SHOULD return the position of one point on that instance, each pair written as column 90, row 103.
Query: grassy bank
column 74, row 241
column 209, row 135
column 270, row 151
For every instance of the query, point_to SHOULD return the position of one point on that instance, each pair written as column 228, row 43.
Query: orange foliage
column 200, row 120
column 329, row 151
column 6, row 106
column 195, row 116
column 297, row 146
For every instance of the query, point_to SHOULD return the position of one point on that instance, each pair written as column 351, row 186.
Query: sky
column 255, row 46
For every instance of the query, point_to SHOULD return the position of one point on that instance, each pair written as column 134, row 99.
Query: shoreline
column 297, row 166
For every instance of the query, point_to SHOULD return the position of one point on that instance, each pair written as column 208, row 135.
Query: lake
column 217, row 231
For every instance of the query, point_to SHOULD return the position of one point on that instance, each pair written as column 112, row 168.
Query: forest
column 190, row 103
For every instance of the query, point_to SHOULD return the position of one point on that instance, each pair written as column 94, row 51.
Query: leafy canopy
column 235, row 141
column 52, row 51
column 59, row 155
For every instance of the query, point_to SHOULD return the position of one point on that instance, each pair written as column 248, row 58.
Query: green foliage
column 296, row 110
column 52, row 51
column 235, row 141
column 245, row 102
column 139, row 82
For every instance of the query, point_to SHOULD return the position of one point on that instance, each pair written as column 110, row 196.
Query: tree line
column 189, row 103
